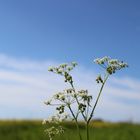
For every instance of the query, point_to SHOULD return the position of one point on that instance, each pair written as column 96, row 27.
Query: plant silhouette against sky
column 76, row 104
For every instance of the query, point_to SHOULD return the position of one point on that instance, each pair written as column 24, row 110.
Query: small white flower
column 48, row 102
column 50, row 69
column 62, row 97
column 63, row 65
column 44, row 121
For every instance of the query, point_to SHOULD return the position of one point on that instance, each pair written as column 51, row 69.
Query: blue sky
column 36, row 33
column 71, row 30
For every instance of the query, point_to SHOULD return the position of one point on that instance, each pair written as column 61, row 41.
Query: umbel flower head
column 64, row 70
column 53, row 131
column 111, row 65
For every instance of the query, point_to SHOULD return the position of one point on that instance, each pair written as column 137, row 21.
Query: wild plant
column 76, row 104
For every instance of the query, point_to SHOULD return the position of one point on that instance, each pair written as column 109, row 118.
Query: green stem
column 78, row 101
column 92, row 112
column 75, row 122
column 84, row 116
column 87, row 130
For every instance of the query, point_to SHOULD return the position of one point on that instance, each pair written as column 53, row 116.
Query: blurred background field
column 34, row 130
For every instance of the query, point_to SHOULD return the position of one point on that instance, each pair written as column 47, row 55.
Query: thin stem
column 75, row 122
column 87, row 130
column 87, row 123
column 84, row 116
column 92, row 112
column 78, row 101
column 87, row 112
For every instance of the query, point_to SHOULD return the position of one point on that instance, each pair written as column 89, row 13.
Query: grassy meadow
column 34, row 130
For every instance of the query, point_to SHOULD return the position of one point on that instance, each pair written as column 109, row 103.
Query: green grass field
column 34, row 130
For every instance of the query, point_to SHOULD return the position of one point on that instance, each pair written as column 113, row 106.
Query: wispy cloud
column 25, row 84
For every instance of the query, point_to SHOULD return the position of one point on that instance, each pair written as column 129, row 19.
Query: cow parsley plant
column 80, row 99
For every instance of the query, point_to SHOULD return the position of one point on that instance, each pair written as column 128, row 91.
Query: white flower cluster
column 56, row 119
column 65, row 97
column 84, row 99
column 82, row 93
column 68, row 97
column 52, row 119
column 48, row 102
column 53, row 131
column 64, row 70
column 111, row 65
column 102, row 60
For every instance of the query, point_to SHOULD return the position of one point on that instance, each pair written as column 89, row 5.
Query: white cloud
column 25, row 84
column 23, row 64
